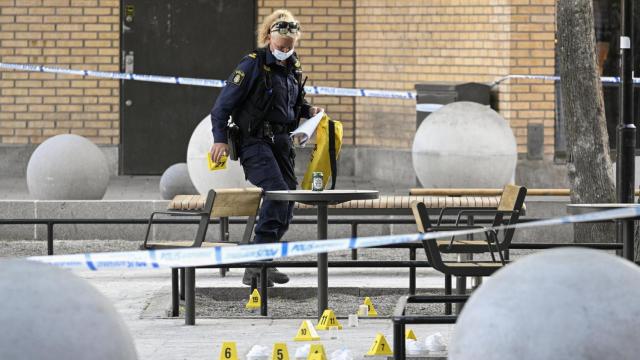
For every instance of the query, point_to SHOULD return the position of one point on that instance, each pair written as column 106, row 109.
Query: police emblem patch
column 237, row 77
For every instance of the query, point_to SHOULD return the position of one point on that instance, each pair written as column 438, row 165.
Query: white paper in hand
column 304, row 132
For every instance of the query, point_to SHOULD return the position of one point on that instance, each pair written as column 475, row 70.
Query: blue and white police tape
column 312, row 90
column 604, row 79
column 221, row 255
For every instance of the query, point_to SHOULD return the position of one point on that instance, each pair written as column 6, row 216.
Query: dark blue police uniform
column 267, row 156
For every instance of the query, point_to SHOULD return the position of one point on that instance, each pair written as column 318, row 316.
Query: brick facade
column 65, row 33
column 453, row 41
column 381, row 44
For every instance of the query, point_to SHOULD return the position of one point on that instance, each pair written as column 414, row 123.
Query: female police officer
column 265, row 98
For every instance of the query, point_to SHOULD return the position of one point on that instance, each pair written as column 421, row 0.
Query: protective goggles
column 284, row 27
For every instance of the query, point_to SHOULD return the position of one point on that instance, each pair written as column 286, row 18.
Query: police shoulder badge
column 237, row 77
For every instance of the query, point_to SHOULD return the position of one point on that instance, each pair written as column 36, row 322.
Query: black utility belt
column 277, row 128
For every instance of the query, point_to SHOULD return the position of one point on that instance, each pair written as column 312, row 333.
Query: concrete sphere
column 463, row 145
column 67, row 167
column 176, row 181
column 558, row 304
column 49, row 313
column 204, row 179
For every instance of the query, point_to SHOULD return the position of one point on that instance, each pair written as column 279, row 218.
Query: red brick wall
column 65, row 33
column 381, row 44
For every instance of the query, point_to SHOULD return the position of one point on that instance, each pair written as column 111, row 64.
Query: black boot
column 277, row 276
column 251, row 272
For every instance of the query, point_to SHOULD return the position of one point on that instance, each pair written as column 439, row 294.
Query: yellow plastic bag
column 321, row 154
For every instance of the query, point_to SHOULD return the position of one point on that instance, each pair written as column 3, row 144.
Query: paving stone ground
column 140, row 297
column 164, row 338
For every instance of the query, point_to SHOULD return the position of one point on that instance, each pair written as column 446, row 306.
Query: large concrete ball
column 67, row 167
column 204, row 179
column 176, row 181
column 464, row 145
column 49, row 313
column 558, row 304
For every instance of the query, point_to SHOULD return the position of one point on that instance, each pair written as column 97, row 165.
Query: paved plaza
column 142, row 297
column 165, row 338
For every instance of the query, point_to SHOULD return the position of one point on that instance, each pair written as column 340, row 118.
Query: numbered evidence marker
column 254, row 300
column 372, row 310
column 380, row 346
column 409, row 334
column 280, row 352
column 306, row 332
column 217, row 166
column 228, row 351
column 328, row 320
column 316, row 352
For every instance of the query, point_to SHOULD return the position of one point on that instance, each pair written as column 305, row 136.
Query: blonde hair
column 265, row 28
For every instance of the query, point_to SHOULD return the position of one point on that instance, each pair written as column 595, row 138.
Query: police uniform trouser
column 271, row 167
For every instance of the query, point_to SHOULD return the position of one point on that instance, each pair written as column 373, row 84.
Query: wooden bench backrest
column 187, row 202
column 423, row 223
column 511, row 198
column 226, row 202
column 236, row 202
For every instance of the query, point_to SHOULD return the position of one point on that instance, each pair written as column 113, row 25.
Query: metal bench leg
column 399, row 327
column 182, row 283
column 447, row 291
column 354, row 234
column 264, row 293
column 412, row 272
column 461, row 289
column 398, row 340
column 175, row 301
column 49, row 238
column 254, row 283
column 224, row 237
column 190, row 296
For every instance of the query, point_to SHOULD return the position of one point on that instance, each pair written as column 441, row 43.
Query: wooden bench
column 386, row 205
column 222, row 203
column 488, row 192
column 401, row 204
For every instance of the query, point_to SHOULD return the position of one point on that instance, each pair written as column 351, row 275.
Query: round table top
column 326, row 196
column 587, row 208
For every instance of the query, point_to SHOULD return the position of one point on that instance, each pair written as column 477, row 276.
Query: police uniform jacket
column 249, row 72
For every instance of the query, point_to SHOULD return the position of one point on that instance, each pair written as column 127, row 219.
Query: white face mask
column 280, row 55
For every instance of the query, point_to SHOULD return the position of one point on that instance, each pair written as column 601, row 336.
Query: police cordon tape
column 604, row 79
column 311, row 90
column 221, row 255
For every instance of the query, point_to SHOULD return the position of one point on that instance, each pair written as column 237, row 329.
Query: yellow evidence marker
column 380, row 346
column 372, row 310
column 306, row 332
column 316, row 352
column 228, row 351
column 409, row 334
column 221, row 165
column 328, row 320
column 254, row 300
column 280, row 352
